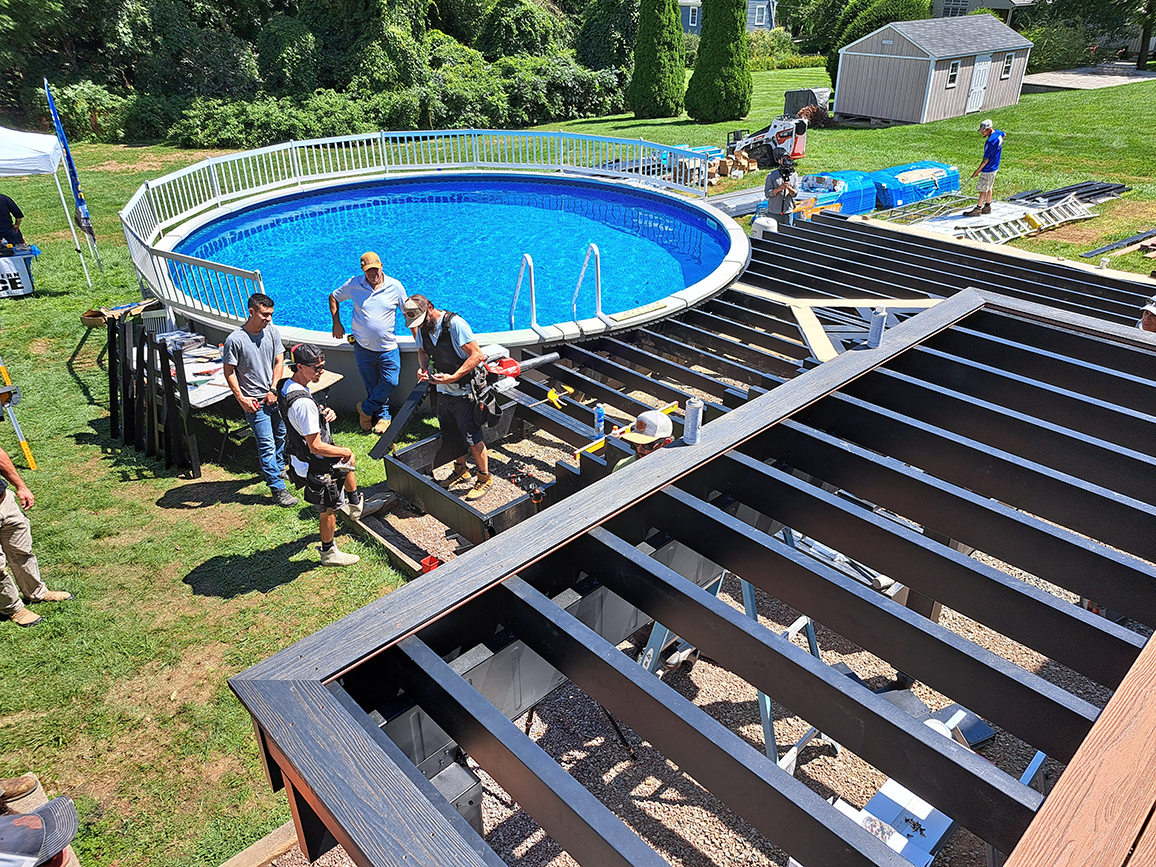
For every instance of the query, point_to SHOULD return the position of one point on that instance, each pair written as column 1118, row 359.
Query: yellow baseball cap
column 370, row 260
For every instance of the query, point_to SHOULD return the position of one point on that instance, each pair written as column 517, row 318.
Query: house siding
column 947, row 102
column 768, row 15
column 889, row 88
column 899, row 46
column 1006, row 91
column 684, row 11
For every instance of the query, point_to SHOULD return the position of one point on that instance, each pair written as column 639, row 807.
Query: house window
column 953, row 74
column 1007, row 65
column 954, row 8
column 694, row 16
column 760, row 16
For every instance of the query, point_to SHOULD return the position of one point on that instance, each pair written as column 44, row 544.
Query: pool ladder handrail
column 591, row 250
column 527, row 261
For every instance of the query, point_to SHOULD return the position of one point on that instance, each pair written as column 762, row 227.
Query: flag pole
column 71, row 227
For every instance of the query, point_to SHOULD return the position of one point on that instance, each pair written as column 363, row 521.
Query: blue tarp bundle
column 854, row 191
column 893, row 191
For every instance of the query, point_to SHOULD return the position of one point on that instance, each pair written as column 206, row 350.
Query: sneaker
column 25, row 617
column 480, row 487
column 974, row 212
column 362, row 509
column 364, row 418
column 17, row 787
column 381, row 426
column 282, row 497
column 459, row 473
column 333, row 557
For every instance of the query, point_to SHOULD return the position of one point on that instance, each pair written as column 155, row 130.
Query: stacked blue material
column 854, row 191
column 920, row 181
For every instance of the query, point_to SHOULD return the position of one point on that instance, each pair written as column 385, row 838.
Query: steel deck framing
column 1042, row 470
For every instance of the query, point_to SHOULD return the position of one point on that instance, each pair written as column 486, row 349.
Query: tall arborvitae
column 659, row 78
column 721, row 86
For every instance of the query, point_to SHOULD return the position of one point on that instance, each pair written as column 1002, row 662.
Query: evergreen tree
column 659, row 78
column 721, row 86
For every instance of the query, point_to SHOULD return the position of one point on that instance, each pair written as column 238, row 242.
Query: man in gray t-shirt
column 781, row 188
column 253, row 357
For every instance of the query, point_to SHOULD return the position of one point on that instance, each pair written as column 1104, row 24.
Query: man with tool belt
column 325, row 470
column 19, row 571
column 447, row 355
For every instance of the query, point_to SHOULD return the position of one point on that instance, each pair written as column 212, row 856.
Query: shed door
column 979, row 75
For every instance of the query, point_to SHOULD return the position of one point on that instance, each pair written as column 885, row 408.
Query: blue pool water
column 460, row 239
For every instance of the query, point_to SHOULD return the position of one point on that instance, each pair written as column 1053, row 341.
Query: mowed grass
column 120, row 698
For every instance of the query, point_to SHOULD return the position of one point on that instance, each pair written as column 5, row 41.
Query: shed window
column 694, row 16
column 760, row 16
column 1007, row 65
column 953, row 73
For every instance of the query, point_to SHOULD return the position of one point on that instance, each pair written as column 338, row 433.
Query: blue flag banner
column 83, row 220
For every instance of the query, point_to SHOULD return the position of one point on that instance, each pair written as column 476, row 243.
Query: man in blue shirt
column 992, row 149
column 447, row 354
column 376, row 298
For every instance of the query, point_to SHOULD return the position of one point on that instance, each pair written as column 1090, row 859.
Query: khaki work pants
column 19, row 571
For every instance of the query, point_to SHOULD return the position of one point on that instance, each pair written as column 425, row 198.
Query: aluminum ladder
column 1030, row 223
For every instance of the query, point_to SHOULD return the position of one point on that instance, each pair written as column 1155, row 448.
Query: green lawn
column 120, row 698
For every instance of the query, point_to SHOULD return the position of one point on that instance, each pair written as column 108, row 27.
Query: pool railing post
column 216, row 183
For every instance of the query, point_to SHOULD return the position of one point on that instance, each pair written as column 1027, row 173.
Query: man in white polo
column 376, row 299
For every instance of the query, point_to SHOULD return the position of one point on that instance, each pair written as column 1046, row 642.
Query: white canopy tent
column 33, row 153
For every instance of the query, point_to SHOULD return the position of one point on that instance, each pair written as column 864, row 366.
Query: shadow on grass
column 202, row 495
column 231, row 575
column 71, row 366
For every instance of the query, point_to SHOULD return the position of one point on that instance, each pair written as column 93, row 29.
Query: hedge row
column 807, row 61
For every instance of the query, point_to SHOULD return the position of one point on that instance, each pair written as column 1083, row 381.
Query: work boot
column 25, row 617
column 364, row 418
column 974, row 212
column 333, row 557
column 362, row 508
column 460, row 473
column 17, row 787
column 282, row 497
column 480, row 487
column 381, row 426
column 986, row 209
column 53, row 596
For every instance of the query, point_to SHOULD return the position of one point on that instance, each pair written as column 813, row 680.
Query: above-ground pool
column 459, row 239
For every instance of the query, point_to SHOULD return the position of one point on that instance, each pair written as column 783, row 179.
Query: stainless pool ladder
column 591, row 250
column 527, row 263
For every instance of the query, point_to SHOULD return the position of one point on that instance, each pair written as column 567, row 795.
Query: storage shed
column 920, row 71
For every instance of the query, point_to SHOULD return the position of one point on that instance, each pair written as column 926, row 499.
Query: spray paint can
column 875, row 332
column 692, row 426
column 599, row 419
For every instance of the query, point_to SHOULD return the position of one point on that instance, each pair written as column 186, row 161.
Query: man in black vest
column 447, row 354
column 325, row 470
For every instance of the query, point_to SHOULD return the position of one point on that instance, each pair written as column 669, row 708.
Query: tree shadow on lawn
column 202, row 495
column 231, row 575
column 637, row 122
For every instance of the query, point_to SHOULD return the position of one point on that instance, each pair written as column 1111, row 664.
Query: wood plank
column 1102, row 802
column 366, row 632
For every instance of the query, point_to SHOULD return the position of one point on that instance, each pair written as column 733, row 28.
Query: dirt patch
column 40, row 346
column 1124, row 212
column 159, row 690
column 153, row 162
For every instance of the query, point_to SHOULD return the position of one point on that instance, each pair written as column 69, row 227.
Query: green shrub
column 1059, row 46
column 88, row 111
column 775, row 44
column 659, row 79
column 607, row 34
column 544, row 89
column 461, row 19
column 721, row 86
column 693, row 40
column 513, row 27
column 288, row 56
column 464, row 91
column 387, row 58
column 217, row 123
column 224, row 65
column 870, row 19
column 148, row 118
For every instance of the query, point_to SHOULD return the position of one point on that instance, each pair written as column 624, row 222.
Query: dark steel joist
column 1098, row 512
column 560, row 804
column 1084, row 642
column 1079, row 412
column 1062, row 334
column 1060, row 556
column 425, row 493
column 1106, row 464
column 670, row 347
column 764, row 340
column 977, row 678
column 783, row 323
column 672, row 370
column 753, row 786
column 966, row 787
column 591, row 387
column 348, row 782
column 748, row 355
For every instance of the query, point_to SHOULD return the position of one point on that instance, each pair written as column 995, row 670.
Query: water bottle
column 692, row 425
column 599, row 419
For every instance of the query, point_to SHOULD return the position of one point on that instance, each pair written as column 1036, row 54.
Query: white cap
column 987, row 124
column 650, row 426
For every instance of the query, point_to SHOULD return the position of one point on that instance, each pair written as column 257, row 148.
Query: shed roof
column 956, row 37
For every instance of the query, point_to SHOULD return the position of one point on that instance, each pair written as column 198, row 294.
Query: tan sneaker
column 381, row 426
column 480, row 487
column 459, row 473
column 25, row 617
column 364, row 418
column 56, row 596
column 333, row 557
